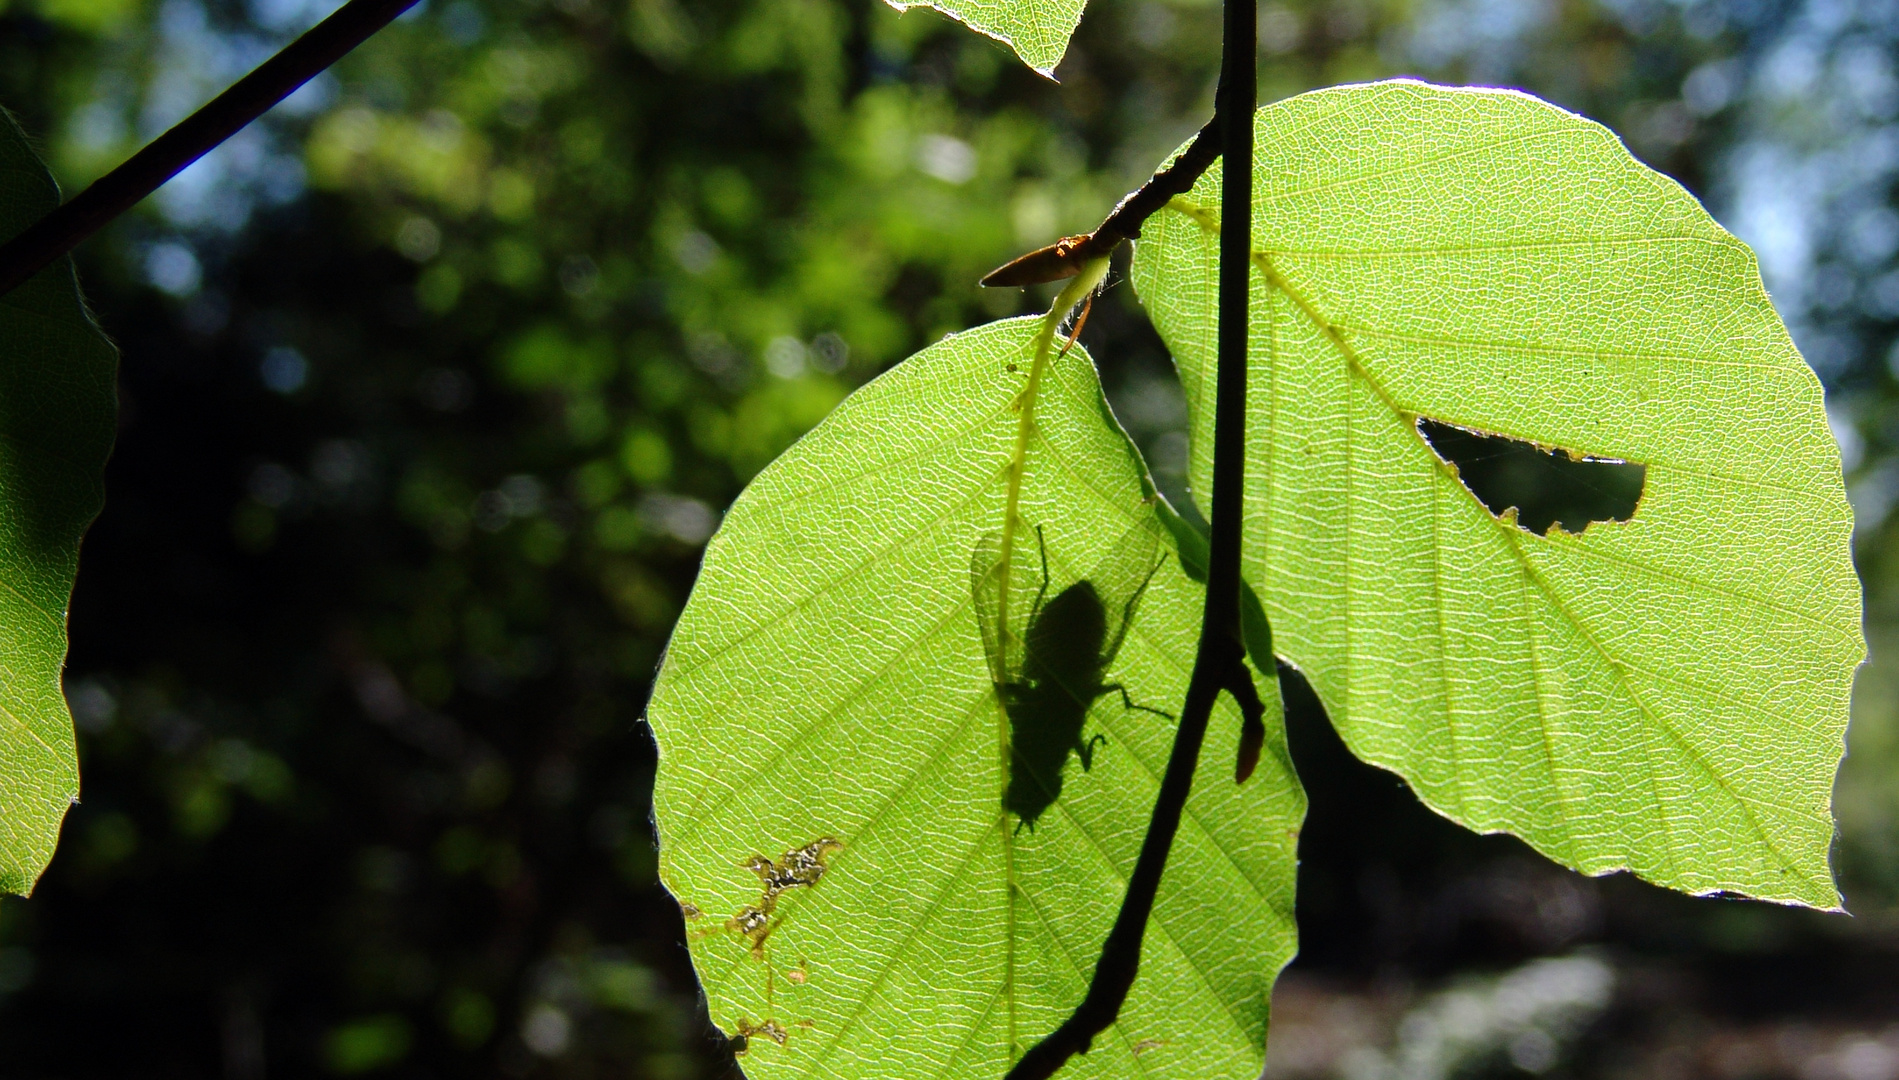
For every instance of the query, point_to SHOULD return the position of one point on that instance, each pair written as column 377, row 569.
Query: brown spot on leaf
column 801, row 867
column 749, row 921
column 771, row 1029
column 797, row 867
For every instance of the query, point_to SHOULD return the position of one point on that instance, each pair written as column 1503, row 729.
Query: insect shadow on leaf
column 1048, row 677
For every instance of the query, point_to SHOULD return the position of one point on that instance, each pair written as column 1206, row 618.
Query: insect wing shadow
column 1002, row 646
column 1122, row 580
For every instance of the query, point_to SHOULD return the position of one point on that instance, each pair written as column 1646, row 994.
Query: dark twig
column 164, row 157
column 1239, row 683
column 1064, row 257
column 1220, row 663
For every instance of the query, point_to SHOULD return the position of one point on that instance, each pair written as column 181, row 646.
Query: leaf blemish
column 751, row 923
column 1533, row 487
column 770, row 1029
column 1145, row 1045
column 801, row 867
column 797, row 867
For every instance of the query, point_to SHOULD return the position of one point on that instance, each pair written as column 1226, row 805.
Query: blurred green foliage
column 436, row 379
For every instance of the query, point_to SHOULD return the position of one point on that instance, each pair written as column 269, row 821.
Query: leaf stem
column 164, row 157
column 1219, row 664
column 1044, row 349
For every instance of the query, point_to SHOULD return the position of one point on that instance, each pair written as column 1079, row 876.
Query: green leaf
column 57, row 410
column 1038, row 30
column 1665, row 694
column 1194, row 542
column 828, row 684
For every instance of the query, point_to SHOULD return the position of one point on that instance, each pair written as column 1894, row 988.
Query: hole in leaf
column 1546, row 487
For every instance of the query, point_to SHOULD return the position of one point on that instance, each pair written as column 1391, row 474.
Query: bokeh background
column 436, row 380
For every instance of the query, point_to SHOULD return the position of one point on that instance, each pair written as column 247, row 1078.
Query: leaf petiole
column 1077, row 290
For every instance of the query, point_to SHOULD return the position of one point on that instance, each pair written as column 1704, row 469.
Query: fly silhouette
column 1049, row 676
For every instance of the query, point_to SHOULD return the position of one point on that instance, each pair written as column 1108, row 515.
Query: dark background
column 435, row 381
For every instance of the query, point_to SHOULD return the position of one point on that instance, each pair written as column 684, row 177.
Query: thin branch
column 1219, row 664
column 164, row 157
column 1066, row 257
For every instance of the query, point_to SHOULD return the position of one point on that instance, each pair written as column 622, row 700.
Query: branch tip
column 1252, row 720
column 56, row 234
column 1065, row 257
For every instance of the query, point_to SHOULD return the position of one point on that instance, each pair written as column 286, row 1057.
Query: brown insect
column 1087, row 305
column 1061, row 259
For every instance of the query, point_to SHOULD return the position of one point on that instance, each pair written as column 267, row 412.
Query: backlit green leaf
column 57, row 406
column 1038, row 30
column 1666, row 694
column 826, row 702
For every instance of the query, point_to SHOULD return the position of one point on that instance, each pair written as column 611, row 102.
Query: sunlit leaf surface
column 1666, row 693
column 833, row 762
column 1038, row 30
column 56, row 426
